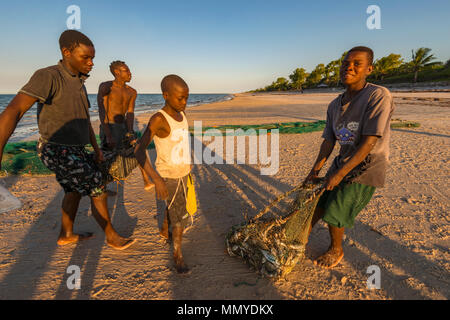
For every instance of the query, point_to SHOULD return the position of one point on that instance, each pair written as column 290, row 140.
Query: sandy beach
column 404, row 230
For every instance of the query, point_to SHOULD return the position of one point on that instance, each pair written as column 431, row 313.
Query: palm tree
column 420, row 59
column 384, row 65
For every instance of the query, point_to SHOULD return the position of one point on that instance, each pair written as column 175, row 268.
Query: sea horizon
column 145, row 102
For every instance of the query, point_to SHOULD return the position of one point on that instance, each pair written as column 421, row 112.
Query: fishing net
column 21, row 158
column 274, row 246
column 119, row 163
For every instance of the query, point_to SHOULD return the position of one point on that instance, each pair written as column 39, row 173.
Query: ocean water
column 144, row 103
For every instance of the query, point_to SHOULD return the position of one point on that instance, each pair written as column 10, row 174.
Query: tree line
column 389, row 69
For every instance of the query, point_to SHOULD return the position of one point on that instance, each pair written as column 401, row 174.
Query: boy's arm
column 9, row 118
column 130, row 112
column 154, row 126
column 326, row 148
column 364, row 148
column 102, row 103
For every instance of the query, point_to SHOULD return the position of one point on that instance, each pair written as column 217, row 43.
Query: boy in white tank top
column 169, row 129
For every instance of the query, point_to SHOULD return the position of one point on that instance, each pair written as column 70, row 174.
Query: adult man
column 359, row 119
column 65, row 128
column 116, row 101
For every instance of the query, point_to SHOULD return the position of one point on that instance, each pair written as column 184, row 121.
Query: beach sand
column 404, row 229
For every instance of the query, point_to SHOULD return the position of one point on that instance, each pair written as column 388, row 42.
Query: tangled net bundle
column 274, row 246
column 119, row 164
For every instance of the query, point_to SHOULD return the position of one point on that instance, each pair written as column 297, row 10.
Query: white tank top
column 173, row 153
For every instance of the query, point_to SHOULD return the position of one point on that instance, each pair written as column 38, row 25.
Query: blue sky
column 216, row 46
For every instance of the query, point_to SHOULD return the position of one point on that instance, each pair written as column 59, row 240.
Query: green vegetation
column 389, row 69
column 21, row 158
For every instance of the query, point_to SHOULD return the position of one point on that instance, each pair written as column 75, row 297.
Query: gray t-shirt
column 63, row 106
column 369, row 113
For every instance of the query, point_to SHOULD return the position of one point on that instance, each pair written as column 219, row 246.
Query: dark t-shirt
column 63, row 106
column 368, row 113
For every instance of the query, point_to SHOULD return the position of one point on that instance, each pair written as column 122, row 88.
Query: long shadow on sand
column 416, row 268
column 32, row 255
column 424, row 133
column 223, row 277
column 219, row 275
column 87, row 255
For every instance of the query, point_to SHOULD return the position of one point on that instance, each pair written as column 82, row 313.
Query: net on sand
column 274, row 246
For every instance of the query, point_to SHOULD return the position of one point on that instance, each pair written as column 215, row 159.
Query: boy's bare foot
column 180, row 266
column 63, row 240
column 149, row 186
column 164, row 233
column 331, row 258
column 120, row 243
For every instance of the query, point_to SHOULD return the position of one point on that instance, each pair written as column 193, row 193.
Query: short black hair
column 70, row 39
column 366, row 50
column 114, row 65
column 170, row 80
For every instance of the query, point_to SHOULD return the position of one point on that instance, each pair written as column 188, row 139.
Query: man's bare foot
column 149, row 186
column 330, row 259
column 63, row 240
column 120, row 243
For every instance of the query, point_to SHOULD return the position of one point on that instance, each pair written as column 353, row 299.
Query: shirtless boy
column 65, row 128
column 169, row 129
column 359, row 119
column 116, row 101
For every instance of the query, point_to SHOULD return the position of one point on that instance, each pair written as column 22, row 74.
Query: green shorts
column 344, row 202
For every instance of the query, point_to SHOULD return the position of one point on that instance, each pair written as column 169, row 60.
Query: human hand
column 311, row 177
column 332, row 181
column 110, row 142
column 161, row 190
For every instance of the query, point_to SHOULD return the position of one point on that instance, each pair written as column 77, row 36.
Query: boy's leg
column 335, row 253
column 70, row 204
column 148, row 184
column 342, row 204
column 164, row 232
column 178, row 218
column 100, row 212
column 318, row 214
column 177, row 234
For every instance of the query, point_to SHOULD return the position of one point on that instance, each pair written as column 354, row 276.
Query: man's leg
column 335, row 253
column 177, row 234
column 70, row 205
column 100, row 212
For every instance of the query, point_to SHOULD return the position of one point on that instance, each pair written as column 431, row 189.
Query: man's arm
column 102, row 103
column 154, row 126
column 130, row 112
column 98, row 152
column 326, row 148
column 363, row 150
column 9, row 118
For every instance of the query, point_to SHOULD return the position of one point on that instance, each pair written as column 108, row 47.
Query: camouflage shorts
column 75, row 168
